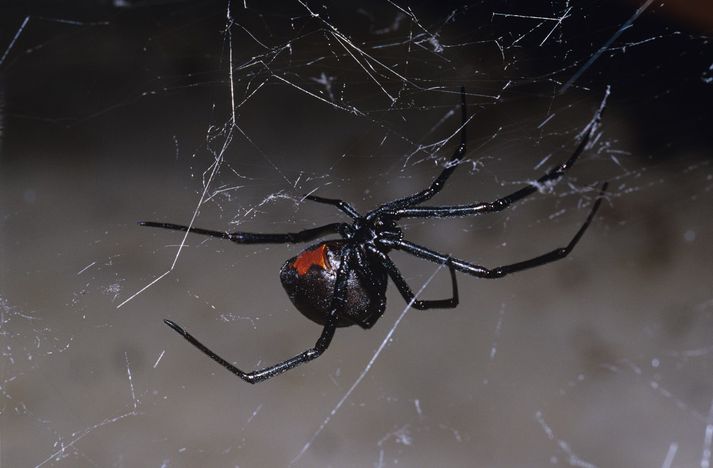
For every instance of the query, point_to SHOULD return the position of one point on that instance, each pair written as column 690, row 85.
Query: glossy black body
column 312, row 291
column 347, row 284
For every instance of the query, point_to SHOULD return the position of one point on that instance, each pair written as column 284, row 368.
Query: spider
column 342, row 282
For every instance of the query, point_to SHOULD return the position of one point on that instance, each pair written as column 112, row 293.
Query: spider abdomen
column 310, row 279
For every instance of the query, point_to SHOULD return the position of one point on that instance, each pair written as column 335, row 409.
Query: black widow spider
column 339, row 283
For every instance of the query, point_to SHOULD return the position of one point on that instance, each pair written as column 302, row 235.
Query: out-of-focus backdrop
column 229, row 112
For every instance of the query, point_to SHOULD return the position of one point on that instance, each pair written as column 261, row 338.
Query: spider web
column 224, row 115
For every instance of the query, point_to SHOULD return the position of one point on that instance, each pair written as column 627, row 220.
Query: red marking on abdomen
column 316, row 256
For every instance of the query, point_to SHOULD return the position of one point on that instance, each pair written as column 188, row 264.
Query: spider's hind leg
column 240, row 237
column 268, row 372
column 320, row 346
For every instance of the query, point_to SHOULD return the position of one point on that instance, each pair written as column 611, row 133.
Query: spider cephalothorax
column 342, row 282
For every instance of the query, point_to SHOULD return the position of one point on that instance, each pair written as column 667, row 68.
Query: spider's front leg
column 504, row 202
column 442, row 178
column 313, row 353
column 341, row 205
column 500, row 271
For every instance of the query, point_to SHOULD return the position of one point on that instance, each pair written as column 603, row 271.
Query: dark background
column 112, row 113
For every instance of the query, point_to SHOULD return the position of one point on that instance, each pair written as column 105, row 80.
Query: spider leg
column 340, row 204
column 499, row 204
column 503, row 202
column 497, row 272
column 268, row 372
column 257, row 238
column 406, row 291
column 320, row 346
column 440, row 181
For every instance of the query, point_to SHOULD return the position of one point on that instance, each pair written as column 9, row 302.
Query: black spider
column 338, row 283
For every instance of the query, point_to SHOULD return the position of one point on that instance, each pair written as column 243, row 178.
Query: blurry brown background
column 114, row 112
